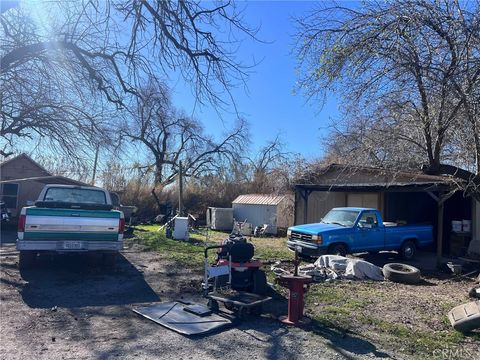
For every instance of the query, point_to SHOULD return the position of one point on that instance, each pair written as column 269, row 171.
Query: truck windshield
column 75, row 195
column 341, row 217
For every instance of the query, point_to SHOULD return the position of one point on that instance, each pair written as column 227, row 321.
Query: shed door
column 367, row 200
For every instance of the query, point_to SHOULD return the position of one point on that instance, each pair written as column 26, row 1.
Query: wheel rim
column 408, row 251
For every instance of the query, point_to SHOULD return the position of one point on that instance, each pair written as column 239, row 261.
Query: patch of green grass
column 267, row 248
column 147, row 227
column 190, row 253
column 180, row 252
column 415, row 340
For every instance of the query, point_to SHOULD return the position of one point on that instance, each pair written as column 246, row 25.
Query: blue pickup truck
column 353, row 230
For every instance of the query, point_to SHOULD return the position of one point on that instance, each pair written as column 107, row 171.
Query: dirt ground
column 69, row 307
column 66, row 308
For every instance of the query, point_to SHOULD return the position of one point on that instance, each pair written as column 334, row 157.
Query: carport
column 401, row 197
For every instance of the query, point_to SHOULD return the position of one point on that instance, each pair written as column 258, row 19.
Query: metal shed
column 259, row 209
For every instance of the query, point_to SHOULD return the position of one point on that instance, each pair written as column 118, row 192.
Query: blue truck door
column 370, row 235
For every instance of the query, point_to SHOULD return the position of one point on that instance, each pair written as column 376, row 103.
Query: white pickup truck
column 69, row 218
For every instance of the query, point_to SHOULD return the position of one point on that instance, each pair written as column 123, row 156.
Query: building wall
column 257, row 215
column 27, row 191
column 319, row 203
column 21, row 168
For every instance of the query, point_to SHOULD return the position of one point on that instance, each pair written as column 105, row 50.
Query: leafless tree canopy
column 409, row 72
column 66, row 66
column 171, row 137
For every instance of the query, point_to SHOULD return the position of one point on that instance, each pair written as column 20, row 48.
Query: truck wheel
column 338, row 249
column 408, row 250
column 259, row 282
column 401, row 273
column 26, row 259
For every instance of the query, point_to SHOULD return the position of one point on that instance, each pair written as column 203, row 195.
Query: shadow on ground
column 345, row 343
column 71, row 281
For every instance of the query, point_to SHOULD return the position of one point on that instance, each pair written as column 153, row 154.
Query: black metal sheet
column 173, row 316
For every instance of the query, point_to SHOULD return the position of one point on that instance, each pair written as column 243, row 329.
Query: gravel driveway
column 68, row 307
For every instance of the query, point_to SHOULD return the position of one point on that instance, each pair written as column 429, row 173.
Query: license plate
column 299, row 249
column 72, row 245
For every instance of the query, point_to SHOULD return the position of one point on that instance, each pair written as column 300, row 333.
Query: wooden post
column 180, row 190
column 305, row 206
column 440, row 199
column 440, row 209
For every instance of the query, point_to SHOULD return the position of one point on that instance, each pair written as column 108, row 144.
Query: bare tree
column 170, row 137
column 268, row 169
column 102, row 50
column 397, row 64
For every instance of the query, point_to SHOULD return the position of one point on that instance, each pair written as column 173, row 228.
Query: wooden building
column 22, row 179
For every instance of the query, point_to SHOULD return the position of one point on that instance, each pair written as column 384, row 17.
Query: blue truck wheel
column 338, row 249
column 408, row 250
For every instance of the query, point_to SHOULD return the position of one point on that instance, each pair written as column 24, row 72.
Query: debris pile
column 334, row 267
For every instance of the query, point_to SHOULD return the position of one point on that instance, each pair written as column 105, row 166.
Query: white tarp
column 330, row 267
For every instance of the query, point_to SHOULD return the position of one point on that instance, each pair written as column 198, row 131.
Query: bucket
column 466, row 225
column 456, row 226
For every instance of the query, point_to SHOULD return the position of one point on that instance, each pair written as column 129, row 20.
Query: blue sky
column 270, row 105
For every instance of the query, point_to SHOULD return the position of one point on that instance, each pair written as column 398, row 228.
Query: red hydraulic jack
column 297, row 286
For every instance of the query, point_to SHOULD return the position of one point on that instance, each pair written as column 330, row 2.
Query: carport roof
column 416, row 186
column 337, row 177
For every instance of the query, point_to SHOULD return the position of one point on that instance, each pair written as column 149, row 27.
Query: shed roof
column 259, row 199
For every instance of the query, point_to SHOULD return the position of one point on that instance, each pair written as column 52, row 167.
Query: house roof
column 26, row 157
column 48, row 180
column 259, row 199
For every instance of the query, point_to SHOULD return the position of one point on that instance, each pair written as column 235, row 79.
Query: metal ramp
column 186, row 319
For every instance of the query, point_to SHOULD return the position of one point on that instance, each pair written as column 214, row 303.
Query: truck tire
column 408, row 250
column 401, row 273
column 338, row 249
column 26, row 259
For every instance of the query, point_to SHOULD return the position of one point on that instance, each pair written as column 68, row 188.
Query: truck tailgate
column 71, row 224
